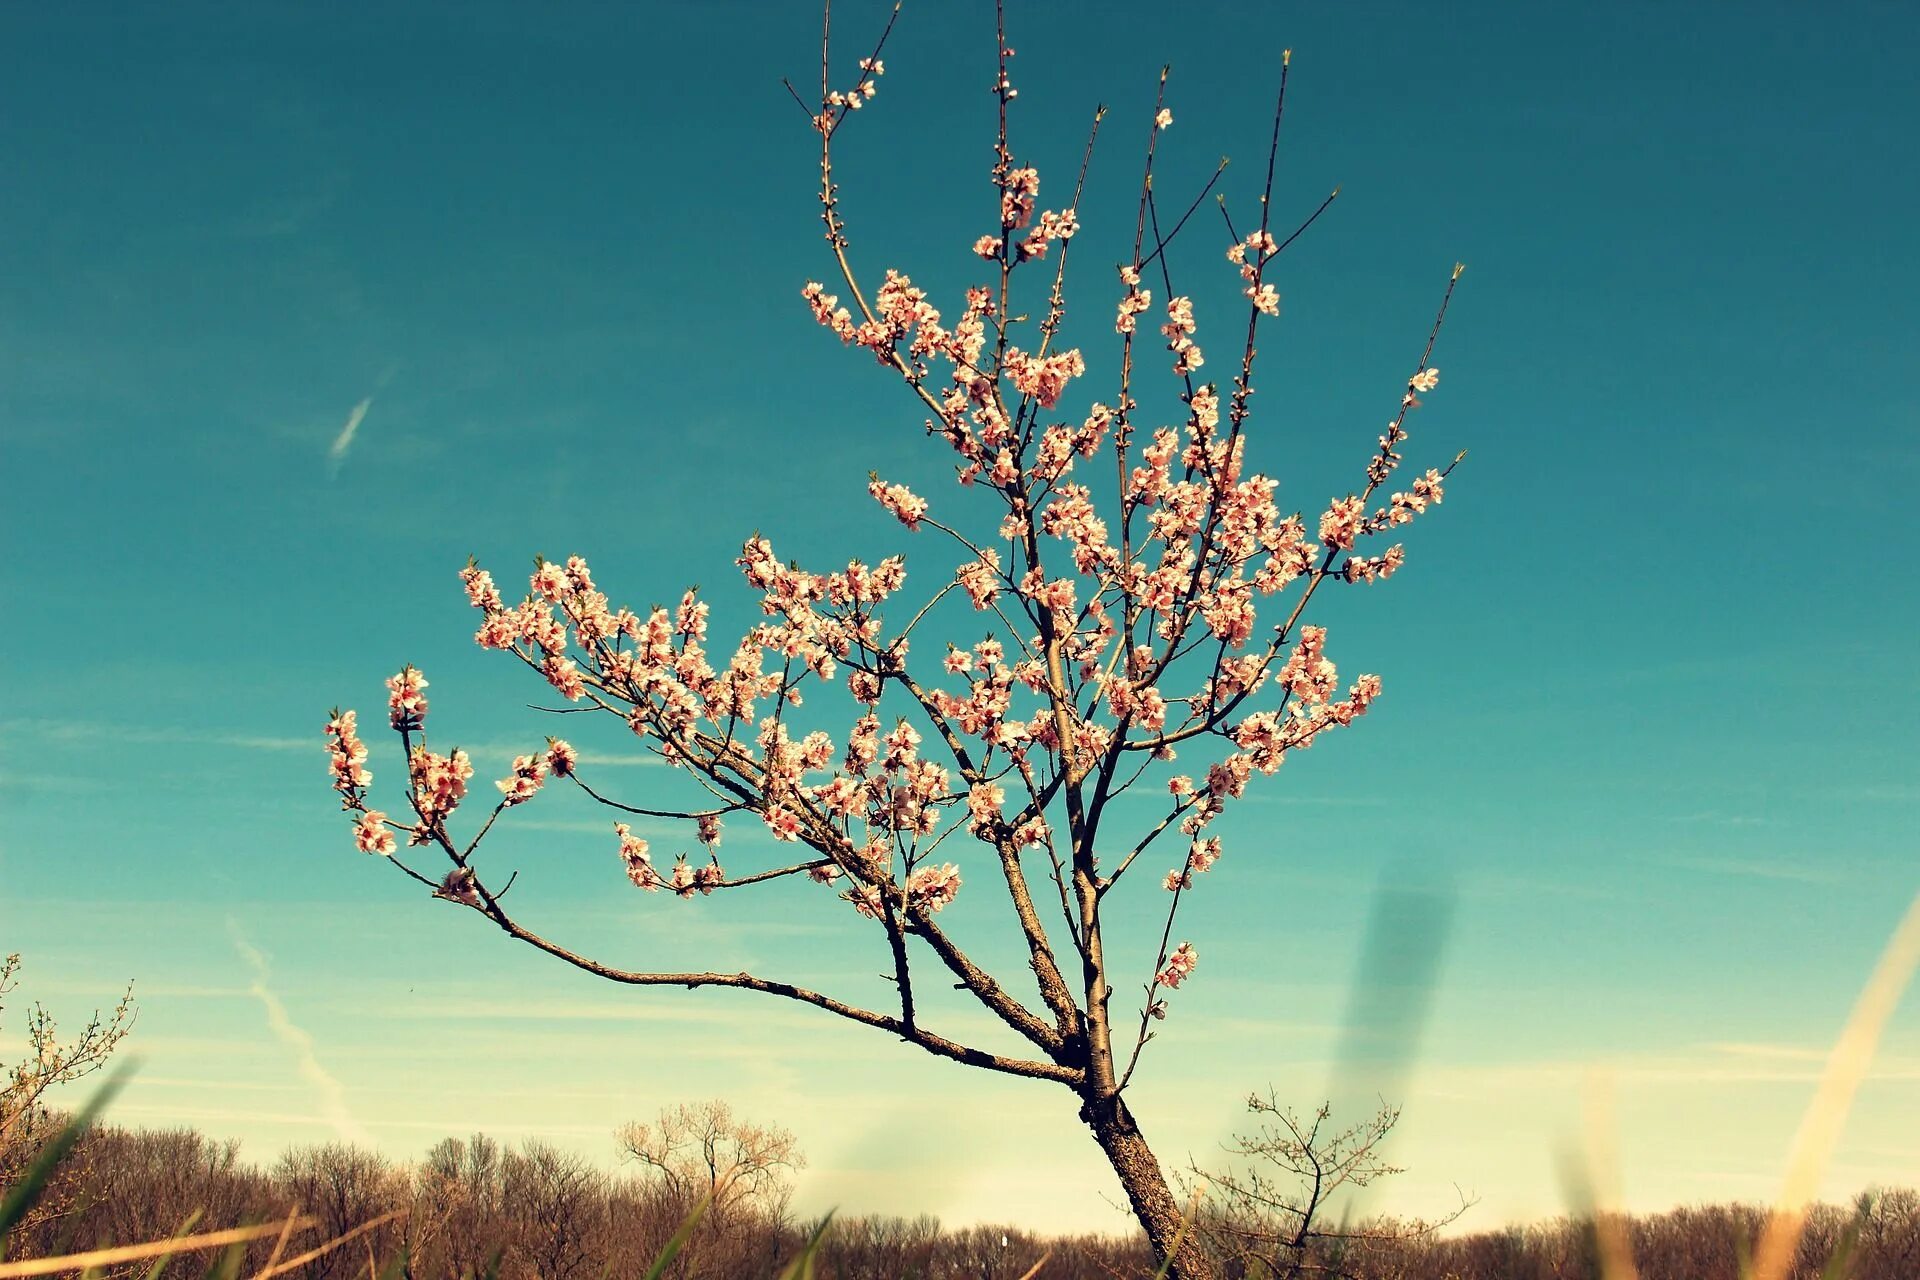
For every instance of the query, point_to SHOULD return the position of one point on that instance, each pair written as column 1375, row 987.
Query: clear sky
column 1649, row 672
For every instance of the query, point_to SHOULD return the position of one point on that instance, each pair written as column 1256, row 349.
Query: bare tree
column 342, row 1186
column 25, row 1121
column 700, row 1149
column 557, row 1201
column 459, row 1185
column 1272, row 1216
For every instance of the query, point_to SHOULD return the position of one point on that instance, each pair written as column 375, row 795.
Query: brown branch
column 937, row 1045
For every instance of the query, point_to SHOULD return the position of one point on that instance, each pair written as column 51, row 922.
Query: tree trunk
column 1146, row 1186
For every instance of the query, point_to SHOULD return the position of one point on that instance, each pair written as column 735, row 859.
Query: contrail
column 333, row 1099
column 344, row 441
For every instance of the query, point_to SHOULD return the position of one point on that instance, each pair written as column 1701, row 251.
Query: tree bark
column 1145, row 1184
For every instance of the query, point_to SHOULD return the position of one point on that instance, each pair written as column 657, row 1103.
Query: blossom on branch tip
column 346, row 755
column 906, row 507
column 480, row 589
column 561, row 757
column 828, row 311
column 406, row 704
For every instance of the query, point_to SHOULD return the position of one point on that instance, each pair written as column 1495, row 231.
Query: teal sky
column 1650, row 678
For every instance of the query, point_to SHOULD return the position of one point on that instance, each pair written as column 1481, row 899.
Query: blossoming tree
column 1122, row 627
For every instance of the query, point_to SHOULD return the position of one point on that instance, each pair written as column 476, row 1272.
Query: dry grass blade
column 137, row 1252
column 292, row 1264
column 1846, row 1067
column 286, row 1233
column 1034, row 1270
column 1610, row 1237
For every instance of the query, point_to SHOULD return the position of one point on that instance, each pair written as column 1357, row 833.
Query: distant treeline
column 533, row 1210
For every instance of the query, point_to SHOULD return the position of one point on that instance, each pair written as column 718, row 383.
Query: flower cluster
column 688, row 879
column 406, row 704
column 439, row 785
column 929, row 889
column 1179, row 966
column 1201, row 855
column 347, row 757
column 639, row 863
column 1179, row 330
column 518, row 787
column 1251, row 256
column 371, row 835
column 1133, row 302
column 901, row 501
column 839, row 102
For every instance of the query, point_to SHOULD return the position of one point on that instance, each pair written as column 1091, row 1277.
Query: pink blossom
column 439, row 785
column 828, row 311
column 480, row 589
column 549, row 582
column 1179, row 966
column 930, row 889
column 784, row 823
column 1341, row 522
column 346, row 755
column 685, row 881
column 1375, row 568
column 370, row 833
column 406, row 704
column 563, row 675
column 1179, row 330
column 1044, row 378
column 1018, row 191
column 980, row 579
column 900, row 500
column 633, row 852
column 561, row 757
column 983, row 803
column 462, row 886
column 518, row 787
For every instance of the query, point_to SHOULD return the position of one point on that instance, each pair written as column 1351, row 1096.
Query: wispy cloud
column 43, row 730
column 1720, row 818
column 333, row 1099
column 337, row 452
column 1758, row 869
